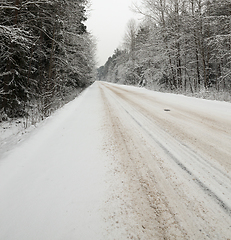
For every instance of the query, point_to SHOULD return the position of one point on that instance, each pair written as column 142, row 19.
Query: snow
column 95, row 169
column 52, row 185
column 217, row 109
column 187, row 153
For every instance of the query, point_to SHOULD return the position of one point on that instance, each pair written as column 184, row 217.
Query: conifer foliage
column 46, row 53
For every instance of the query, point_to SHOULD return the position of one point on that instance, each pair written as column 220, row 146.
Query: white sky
column 107, row 22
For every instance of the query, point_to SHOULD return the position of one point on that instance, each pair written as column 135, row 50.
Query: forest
column 46, row 55
column 180, row 46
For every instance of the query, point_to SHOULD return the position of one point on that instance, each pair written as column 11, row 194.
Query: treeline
column 46, row 54
column 182, row 45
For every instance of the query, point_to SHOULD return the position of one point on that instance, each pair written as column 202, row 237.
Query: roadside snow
column 52, row 185
column 11, row 132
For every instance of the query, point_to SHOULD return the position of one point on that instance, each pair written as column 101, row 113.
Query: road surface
column 122, row 163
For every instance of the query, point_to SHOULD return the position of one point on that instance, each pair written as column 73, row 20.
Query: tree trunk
column 202, row 45
column 173, row 77
column 178, row 55
column 196, row 43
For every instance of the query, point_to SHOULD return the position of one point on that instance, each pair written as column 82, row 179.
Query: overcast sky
column 107, row 22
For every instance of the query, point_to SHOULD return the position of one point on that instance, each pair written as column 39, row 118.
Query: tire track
column 153, row 217
column 225, row 203
column 193, row 167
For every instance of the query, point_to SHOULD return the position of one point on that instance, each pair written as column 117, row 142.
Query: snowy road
column 122, row 163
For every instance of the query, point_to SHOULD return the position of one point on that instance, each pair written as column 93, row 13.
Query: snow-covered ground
column 52, row 184
column 120, row 162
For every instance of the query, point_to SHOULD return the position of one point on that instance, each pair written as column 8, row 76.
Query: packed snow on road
column 120, row 162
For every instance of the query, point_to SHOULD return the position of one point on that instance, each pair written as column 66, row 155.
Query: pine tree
column 45, row 53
